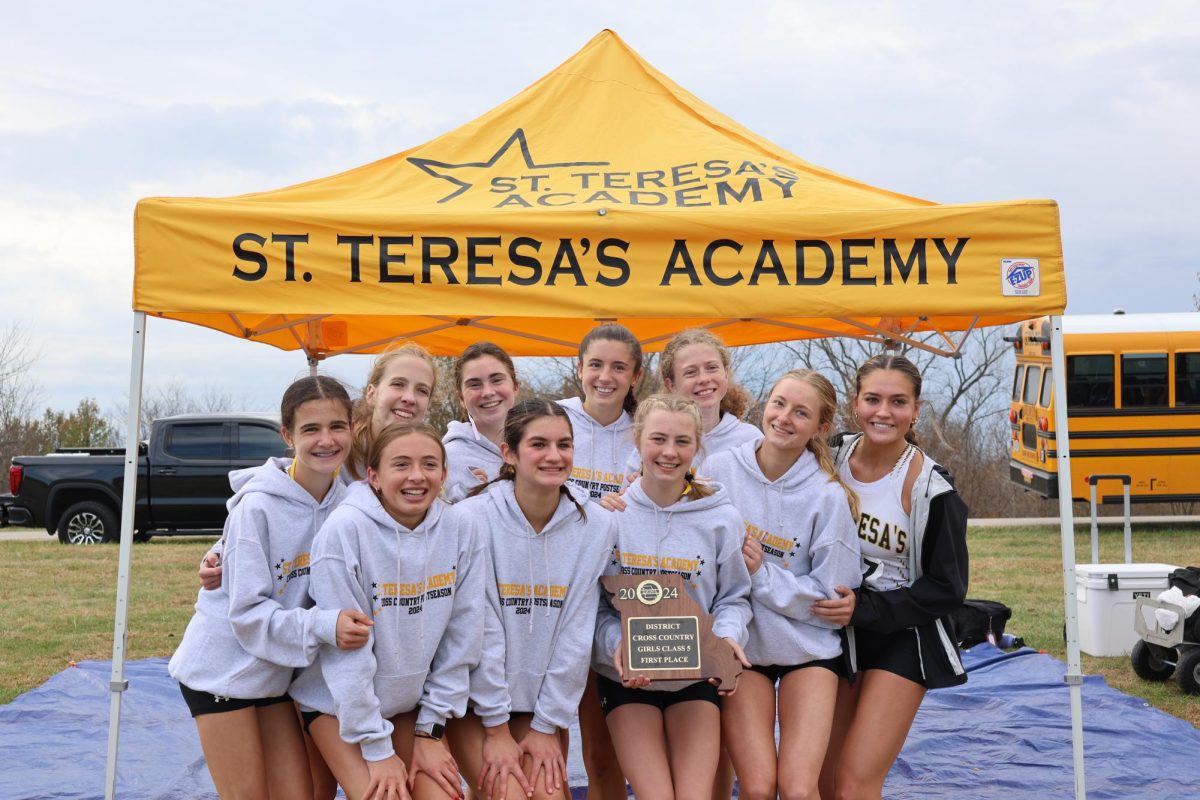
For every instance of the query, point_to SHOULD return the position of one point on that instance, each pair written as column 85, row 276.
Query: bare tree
column 174, row 397
column 19, row 432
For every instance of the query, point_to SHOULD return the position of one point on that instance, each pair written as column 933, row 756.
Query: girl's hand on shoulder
column 210, row 571
column 479, row 473
column 837, row 611
column 612, row 501
column 389, row 780
column 546, row 757
column 752, row 553
column 432, row 757
column 740, row 655
column 501, row 760
column 353, row 629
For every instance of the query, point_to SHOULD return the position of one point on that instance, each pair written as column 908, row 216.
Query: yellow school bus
column 1133, row 406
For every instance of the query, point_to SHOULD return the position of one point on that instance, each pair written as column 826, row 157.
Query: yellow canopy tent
column 604, row 191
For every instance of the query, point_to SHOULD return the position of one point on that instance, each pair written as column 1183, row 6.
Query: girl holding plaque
column 547, row 549
column 801, row 543
column 913, row 533
column 667, row 734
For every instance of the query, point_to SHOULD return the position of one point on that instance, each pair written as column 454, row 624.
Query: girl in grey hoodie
column 609, row 369
column 486, row 382
column 667, row 734
column 547, row 548
column 405, row 558
column 801, row 543
column 238, row 654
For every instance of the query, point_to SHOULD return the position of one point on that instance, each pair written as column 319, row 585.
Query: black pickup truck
column 183, row 480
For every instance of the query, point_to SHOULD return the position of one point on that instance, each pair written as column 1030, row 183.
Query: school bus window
column 1017, row 378
column 1090, row 381
column 1032, row 373
column 1187, row 379
column 1047, row 388
column 1143, row 380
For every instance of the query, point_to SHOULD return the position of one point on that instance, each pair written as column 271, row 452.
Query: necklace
column 902, row 462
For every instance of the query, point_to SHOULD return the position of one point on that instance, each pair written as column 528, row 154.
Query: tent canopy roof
column 604, row 191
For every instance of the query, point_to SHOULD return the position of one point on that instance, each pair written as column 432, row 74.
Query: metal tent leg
column 1074, row 676
column 117, row 683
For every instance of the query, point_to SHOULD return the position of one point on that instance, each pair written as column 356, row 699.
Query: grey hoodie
column 699, row 539
column 810, row 545
column 728, row 433
column 248, row 635
column 465, row 448
column 603, row 453
column 542, row 598
column 424, row 590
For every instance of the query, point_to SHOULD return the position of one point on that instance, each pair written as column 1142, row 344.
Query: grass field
column 56, row 602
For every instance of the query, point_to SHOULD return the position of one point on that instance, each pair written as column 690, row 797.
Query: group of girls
column 433, row 609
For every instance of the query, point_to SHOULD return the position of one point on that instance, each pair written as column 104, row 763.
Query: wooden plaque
column 665, row 635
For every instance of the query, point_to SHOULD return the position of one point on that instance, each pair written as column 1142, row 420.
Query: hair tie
column 688, row 477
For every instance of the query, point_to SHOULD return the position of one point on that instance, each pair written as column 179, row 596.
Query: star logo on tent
column 470, row 173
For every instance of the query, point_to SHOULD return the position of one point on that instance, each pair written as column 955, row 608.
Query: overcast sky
column 1094, row 105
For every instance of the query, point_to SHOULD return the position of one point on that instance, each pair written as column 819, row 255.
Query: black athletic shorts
column 613, row 695
column 775, row 672
column 204, row 703
column 898, row 653
column 309, row 718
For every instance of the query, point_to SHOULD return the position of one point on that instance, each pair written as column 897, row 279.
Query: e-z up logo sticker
column 1020, row 277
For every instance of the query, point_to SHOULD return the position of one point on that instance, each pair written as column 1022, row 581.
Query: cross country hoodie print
column 699, row 539
column 810, row 545
column 424, row 590
column 466, row 447
column 603, row 453
column 543, row 593
column 249, row 635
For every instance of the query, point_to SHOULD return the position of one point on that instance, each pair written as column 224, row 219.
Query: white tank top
column 883, row 526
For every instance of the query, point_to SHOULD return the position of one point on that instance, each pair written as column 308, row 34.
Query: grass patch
column 1022, row 567
column 57, row 602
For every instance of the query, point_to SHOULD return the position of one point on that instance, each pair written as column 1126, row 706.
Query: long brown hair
column 891, row 361
column 675, row 404
column 518, row 420
column 819, row 445
column 364, row 409
column 736, row 399
column 615, row 332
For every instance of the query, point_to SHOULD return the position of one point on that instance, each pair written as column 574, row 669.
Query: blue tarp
column 1005, row 734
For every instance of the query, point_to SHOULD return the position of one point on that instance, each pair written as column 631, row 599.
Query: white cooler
column 1107, row 594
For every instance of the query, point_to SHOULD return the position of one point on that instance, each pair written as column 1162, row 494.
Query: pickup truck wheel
column 88, row 523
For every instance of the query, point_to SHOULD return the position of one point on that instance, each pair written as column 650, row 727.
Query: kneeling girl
column 547, row 548
column 396, row 552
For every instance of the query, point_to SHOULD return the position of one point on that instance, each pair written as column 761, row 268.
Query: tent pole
column 117, row 683
column 1062, row 444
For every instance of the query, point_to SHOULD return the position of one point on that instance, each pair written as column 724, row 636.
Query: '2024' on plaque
column 665, row 633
